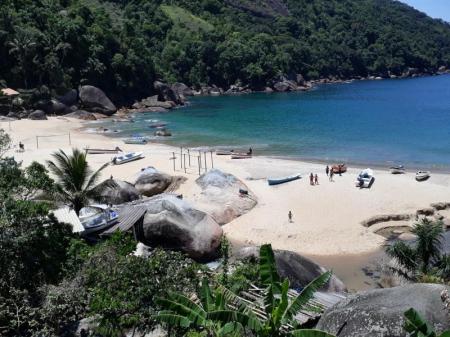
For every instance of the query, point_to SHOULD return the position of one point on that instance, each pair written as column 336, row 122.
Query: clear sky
column 434, row 8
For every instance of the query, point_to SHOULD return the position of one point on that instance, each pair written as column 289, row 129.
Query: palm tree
column 75, row 181
column 425, row 254
column 23, row 45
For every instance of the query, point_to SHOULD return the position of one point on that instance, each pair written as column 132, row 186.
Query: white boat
column 241, row 156
column 277, row 181
column 224, row 152
column 422, row 175
column 95, row 218
column 136, row 140
column 365, row 178
column 398, row 169
column 125, row 158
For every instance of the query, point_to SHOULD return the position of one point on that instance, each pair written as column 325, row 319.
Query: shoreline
column 327, row 218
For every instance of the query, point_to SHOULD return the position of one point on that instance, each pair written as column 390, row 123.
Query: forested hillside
column 122, row 46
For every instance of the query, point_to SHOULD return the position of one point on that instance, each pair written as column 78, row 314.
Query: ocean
column 363, row 122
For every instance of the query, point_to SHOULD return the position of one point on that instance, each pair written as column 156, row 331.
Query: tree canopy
column 122, row 46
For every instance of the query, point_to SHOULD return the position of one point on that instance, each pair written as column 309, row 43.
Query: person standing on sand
column 311, row 179
column 327, row 170
column 290, row 216
column 331, row 175
column 316, row 179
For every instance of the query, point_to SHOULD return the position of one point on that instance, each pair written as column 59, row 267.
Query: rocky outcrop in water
column 380, row 313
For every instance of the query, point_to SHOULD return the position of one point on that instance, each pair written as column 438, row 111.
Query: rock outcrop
column 172, row 223
column 380, row 313
column 82, row 114
column 298, row 269
column 166, row 93
column 70, row 98
column 220, row 196
column 37, row 115
column 94, row 100
column 118, row 192
column 151, row 182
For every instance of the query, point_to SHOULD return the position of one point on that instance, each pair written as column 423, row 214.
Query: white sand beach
column 326, row 218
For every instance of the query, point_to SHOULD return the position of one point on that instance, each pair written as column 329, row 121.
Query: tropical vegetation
column 122, row 46
column 416, row 326
column 423, row 259
column 223, row 313
column 76, row 183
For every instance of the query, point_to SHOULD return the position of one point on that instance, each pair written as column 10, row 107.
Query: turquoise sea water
column 364, row 122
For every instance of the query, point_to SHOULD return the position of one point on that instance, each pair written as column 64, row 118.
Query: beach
column 326, row 217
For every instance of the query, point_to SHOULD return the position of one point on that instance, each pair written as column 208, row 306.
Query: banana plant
column 183, row 312
column 279, row 310
column 417, row 326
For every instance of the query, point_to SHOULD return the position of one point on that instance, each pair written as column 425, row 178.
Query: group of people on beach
column 330, row 173
column 313, row 179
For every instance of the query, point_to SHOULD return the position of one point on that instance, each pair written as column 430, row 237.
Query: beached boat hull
column 241, row 156
column 224, row 153
column 422, row 175
column 365, row 179
column 126, row 158
column 341, row 168
column 278, row 181
column 140, row 141
column 397, row 170
column 102, row 151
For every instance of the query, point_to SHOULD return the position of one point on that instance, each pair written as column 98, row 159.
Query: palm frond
column 173, row 320
column 205, row 295
column 182, row 305
column 229, row 316
column 306, row 295
column 284, row 302
column 267, row 267
column 232, row 328
column 416, row 325
column 404, row 254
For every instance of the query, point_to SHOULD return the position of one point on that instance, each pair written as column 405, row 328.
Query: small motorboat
column 365, row 179
column 96, row 218
column 422, row 175
column 136, row 140
column 125, row 158
column 278, row 181
column 397, row 169
column 241, row 156
column 338, row 169
column 102, row 151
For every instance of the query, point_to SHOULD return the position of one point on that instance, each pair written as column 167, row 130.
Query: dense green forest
column 122, row 46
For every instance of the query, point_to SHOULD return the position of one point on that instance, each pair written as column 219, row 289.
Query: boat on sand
column 102, row 151
column 278, row 181
column 397, row 169
column 95, row 218
column 241, row 156
column 224, row 152
column 422, row 175
column 136, row 140
column 125, row 158
column 365, row 179
column 339, row 168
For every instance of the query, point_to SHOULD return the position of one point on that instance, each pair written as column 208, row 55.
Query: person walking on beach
column 316, row 179
column 290, row 216
column 331, row 175
column 327, row 170
column 311, row 179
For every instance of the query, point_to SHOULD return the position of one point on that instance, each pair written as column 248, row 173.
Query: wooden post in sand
column 212, row 160
column 206, row 165
column 184, row 162
column 181, row 157
column 37, row 142
column 173, row 158
column 199, row 164
column 70, row 140
column 189, row 158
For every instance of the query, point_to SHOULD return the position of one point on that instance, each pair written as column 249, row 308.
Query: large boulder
column 380, row 312
column 172, row 223
column 220, row 196
column 95, row 100
column 69, row 98
column 37, row 115
column 154, row 102
column 182, row 89
column 52, row 107
column 284, row 86
column 151, row 182
column 116, row 192
column 166, row 93
column 83, row 115
column 298, row 269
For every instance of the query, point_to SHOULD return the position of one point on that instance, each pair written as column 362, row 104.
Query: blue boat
column 278, row 181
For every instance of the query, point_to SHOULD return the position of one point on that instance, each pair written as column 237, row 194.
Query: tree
column 423, row 255
column 5, row 142
column 76, row 182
